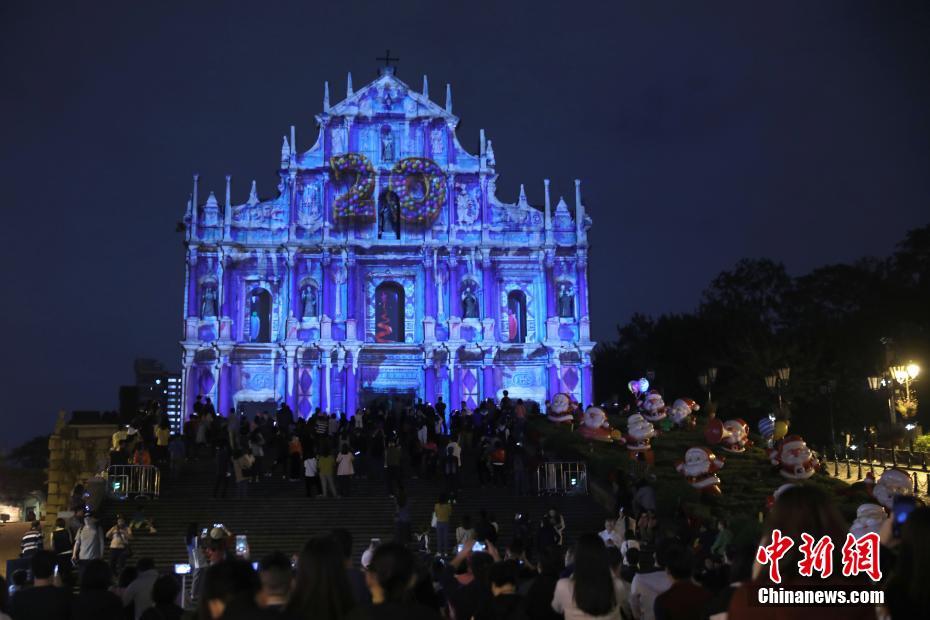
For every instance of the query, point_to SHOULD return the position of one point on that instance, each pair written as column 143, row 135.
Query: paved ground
column 10, row 536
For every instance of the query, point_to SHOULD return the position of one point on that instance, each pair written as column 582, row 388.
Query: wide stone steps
column 278, row 516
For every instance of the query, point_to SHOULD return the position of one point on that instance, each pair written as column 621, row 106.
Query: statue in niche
column 309, row 213
column 469, row 303
column 466, row 205
column 566, row 303
column 338, row 140
column 489, row 154
column 387, row 145
column 255, row 326
column 208, row 303
column 389, row 214
column 437, row 139
column 309, row 305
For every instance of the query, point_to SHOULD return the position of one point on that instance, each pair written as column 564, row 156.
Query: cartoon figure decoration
column 869, row 518
column 794, row 459
column 735, row 437
column 595, row 427
column 560, row 409
column 770, row 500
column 892, row 482
column 639, row 433
column 682, row 412
column 653, row 407
column 700, row 467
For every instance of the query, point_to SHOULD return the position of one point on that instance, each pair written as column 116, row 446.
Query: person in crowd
column 141, row 521
column 505, row 603
column 442, row 510
column 739, row 561
column 95, row 600
column 44, row 600
column 467, row 592
column 390, row 578
column 465, row 531
column 402, row 526
column 88, row 542
column 162, row 439
column 62, row 547
column 243, row 462
column 139, row 592
column 611, row 534
column 558, row 524
column 343, row 538
column 123, row 581
column 31, row 541
column 907, row 589
column 294, row 458
column 722, row 539
column 311, row 473
column 275, row 574
column 176, row 454
column 345, row 470
column 801, row 509
column 326, row 464
column 141, row 456
column 321, row 587
column 591, row 591
column 684, row 600
column 650, row 581
column 229, row 592
column 223, row 470
column 165, row 592
column 541, row 592
column 119, row 536
column 393, row 473
column 4, row 600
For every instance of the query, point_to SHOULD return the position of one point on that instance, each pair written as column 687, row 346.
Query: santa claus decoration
column 735, row 437
column 700, row 467
column 892, row 482
column 639, row 433
column 653, row 407
column 869, row 518
column 682, row 412
column 560, row 409
column 794, row 459
column 595, row 426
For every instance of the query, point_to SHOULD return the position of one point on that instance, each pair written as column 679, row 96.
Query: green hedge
column 747, row 479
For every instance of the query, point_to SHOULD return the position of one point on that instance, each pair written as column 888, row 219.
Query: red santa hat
column 691, row 403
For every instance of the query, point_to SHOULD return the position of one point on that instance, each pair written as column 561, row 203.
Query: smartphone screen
column 182, row 569
column 479, row 546
column 902, row 507
column 242, row 546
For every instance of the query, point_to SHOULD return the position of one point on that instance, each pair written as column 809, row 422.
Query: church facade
column 384, row 268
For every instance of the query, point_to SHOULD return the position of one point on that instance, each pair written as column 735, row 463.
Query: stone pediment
column 389, row 96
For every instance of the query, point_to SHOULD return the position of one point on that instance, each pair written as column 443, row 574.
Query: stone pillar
column 490, row 309
column 352, row 290
column 581, row 293
column 555, row 386
column 549, row 275
column 220, row 284
column 455, row 297
column 326, row 285
column 193, row 299
column 324, row 366
column 455, row 383
column 351, row 399
column 429, row 286
column 587, row 384
column 429, row 382
column 487, row 381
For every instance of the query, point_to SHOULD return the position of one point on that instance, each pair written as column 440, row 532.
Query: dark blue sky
column 703, row 132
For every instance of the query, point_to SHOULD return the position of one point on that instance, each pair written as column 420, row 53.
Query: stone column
column 429, row 286
column 487, row 381
column 455, row 383
column 587, row 384
column 351, row 399
column 325, row 367
column 429, row 382
column 455, row 298
column 326, row 285
column 193, row 299
column 581, row 265
column 555, row 386
column 549, row 275
column 490, row 309
column 352, row 290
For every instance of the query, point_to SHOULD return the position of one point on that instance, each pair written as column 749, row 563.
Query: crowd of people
column 643, row 564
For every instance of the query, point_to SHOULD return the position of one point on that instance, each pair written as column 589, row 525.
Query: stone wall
column 77, row 452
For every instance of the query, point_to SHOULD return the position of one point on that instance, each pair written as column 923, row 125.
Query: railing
column 124, row 481
column 562, row 478
column 886, row 457
column 853, row 465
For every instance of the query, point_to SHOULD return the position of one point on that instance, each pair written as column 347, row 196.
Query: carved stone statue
column 208, row 302
column 308, row 307
column 339, row 139
column 309, row 213
column 437, row 140
column 566, row 304
column 388, row 212
column 469, row 304
column 387, row 146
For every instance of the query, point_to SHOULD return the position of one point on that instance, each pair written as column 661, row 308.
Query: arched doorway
column 258, row 321
column 516, row 316
column 389, row 312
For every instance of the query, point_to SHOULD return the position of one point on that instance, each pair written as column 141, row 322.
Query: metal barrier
column 562, row 478
column 125, row 481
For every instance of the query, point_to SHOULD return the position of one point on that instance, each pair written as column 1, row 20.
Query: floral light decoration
column 419, row 172
column 357, row 201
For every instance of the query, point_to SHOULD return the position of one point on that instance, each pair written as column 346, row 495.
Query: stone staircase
column 276, row 516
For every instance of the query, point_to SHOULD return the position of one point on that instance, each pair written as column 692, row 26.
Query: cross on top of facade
column 387, row 58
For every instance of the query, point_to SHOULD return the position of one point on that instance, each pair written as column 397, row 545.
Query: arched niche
column 209, row 301
column 389, row 312
column 565, row 299
column 471, row 304
column 309, row 299
column 258, row 314
column 516, row 316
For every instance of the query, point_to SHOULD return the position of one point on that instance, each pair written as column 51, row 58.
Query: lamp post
column 827, row 389
column 903, row 374
column 706, row 381
column 777, row 381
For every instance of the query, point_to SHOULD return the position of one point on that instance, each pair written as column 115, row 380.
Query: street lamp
column 777, row 381
column 706, row 381
column 878, row 383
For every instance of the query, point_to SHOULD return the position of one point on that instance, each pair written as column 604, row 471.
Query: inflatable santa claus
column 735, row 436
column 682, row 412
column 596, row 428
column 639, row 433
column 794, row 459
column 892, row 482
column 869, row 518
column 700, row 467
column 560, row 409
column 654, row 408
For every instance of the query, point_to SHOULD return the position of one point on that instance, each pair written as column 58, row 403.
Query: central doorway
column 389, row 401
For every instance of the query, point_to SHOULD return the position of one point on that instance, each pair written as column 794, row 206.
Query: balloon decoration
column 357, row 201
column 682, row 412
column 420, row 185
column 766, row 428
column 794, row 459
column 560, row 409
column 595, row 427
column 638, row 386
column 781, row 429
column 700, row 467
column 713, row 432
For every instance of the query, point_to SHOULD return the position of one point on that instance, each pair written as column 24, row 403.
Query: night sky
column 703, row 132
